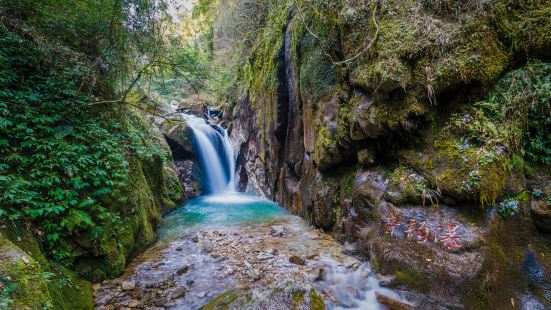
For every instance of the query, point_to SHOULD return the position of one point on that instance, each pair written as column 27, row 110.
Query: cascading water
column 215, row 152
column 224, row 208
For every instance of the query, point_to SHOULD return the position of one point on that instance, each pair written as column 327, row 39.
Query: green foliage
column 185, row 71
column 509, row 207
column 61, row 163
column 515, row 117
column 6, row 288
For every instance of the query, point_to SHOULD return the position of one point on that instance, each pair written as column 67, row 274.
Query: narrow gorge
column 275, row 154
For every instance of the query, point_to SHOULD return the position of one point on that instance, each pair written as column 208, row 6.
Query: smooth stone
column 179, row 292
column 105, row 299
column 392, row 304
column 297, row 260
column 253, row 274
column 133, row 303
column 182, row 270
column 277, row 231
column 128, row 285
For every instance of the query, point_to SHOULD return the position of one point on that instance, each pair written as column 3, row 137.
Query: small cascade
column 215, row 152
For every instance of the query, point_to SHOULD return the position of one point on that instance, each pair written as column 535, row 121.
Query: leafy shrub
column 509, row 207
column 6, row 288
column 61, row 163
column 515, row 117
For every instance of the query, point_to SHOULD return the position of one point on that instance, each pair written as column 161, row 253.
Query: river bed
column 228, row 241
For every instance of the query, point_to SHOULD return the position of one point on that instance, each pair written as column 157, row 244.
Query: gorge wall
column 359, row 117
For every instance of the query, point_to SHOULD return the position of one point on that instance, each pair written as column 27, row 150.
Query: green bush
column 516, row 116
column 61, row 163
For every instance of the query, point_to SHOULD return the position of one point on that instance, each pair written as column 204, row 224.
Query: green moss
column 38, row 283
column 297, row 298
column 224, row 301
column 413, row 279
column 316, row 302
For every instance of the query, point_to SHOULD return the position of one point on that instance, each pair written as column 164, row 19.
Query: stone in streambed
column 105, row 299
column 297, row 260
column 179, row 292
column 392, row 304
column 321, row 275
column 277, row 231
column 253, row 274
column 128, row 285
column 133, row 303
column 182, row 270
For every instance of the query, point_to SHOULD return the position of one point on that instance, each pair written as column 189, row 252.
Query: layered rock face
column 359, row 136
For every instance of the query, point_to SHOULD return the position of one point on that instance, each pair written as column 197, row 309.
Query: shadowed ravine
column 229, row 240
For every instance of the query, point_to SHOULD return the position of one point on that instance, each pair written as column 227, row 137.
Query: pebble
column 105, row 299
column 182, row 270
column 277, row 231
column 133, row 303
column 179, row 292
column 128, row 285
column 253, row 274
column 297, row 260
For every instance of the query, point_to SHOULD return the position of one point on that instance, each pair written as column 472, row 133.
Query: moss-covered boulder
column 277, row 296
column 179, row 137
column 28, row 280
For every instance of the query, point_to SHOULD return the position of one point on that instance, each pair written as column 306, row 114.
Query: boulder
column 179, row 137
column 278, row 296
column 541, row 213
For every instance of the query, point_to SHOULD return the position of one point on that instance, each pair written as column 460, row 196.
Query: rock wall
column 355, row 137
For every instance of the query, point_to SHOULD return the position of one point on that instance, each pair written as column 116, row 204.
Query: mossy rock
column 37, row 283
column 278, row 296
column 151, row 190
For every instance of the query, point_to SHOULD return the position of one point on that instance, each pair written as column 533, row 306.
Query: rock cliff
column 358, row 118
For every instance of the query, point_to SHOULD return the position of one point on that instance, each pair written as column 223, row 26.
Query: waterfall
column 216, row 156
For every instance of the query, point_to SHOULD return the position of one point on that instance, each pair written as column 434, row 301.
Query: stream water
column 227, row 240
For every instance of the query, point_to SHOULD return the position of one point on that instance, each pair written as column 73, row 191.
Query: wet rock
column 264, row 256
column 190, row 174
column 276, row 296
column 195, row 239
column 161, row 301
column 278, row 231
column 128, row 285
column 182, row 270
column 386, row 280
column 253, row 274
column 541, row 214
column 133, row 303
column 297, row 260
column 206, row 247
column 104, row 299
column 320, row 275
column 392, row 304
column 179, row 292
column 179, row 137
